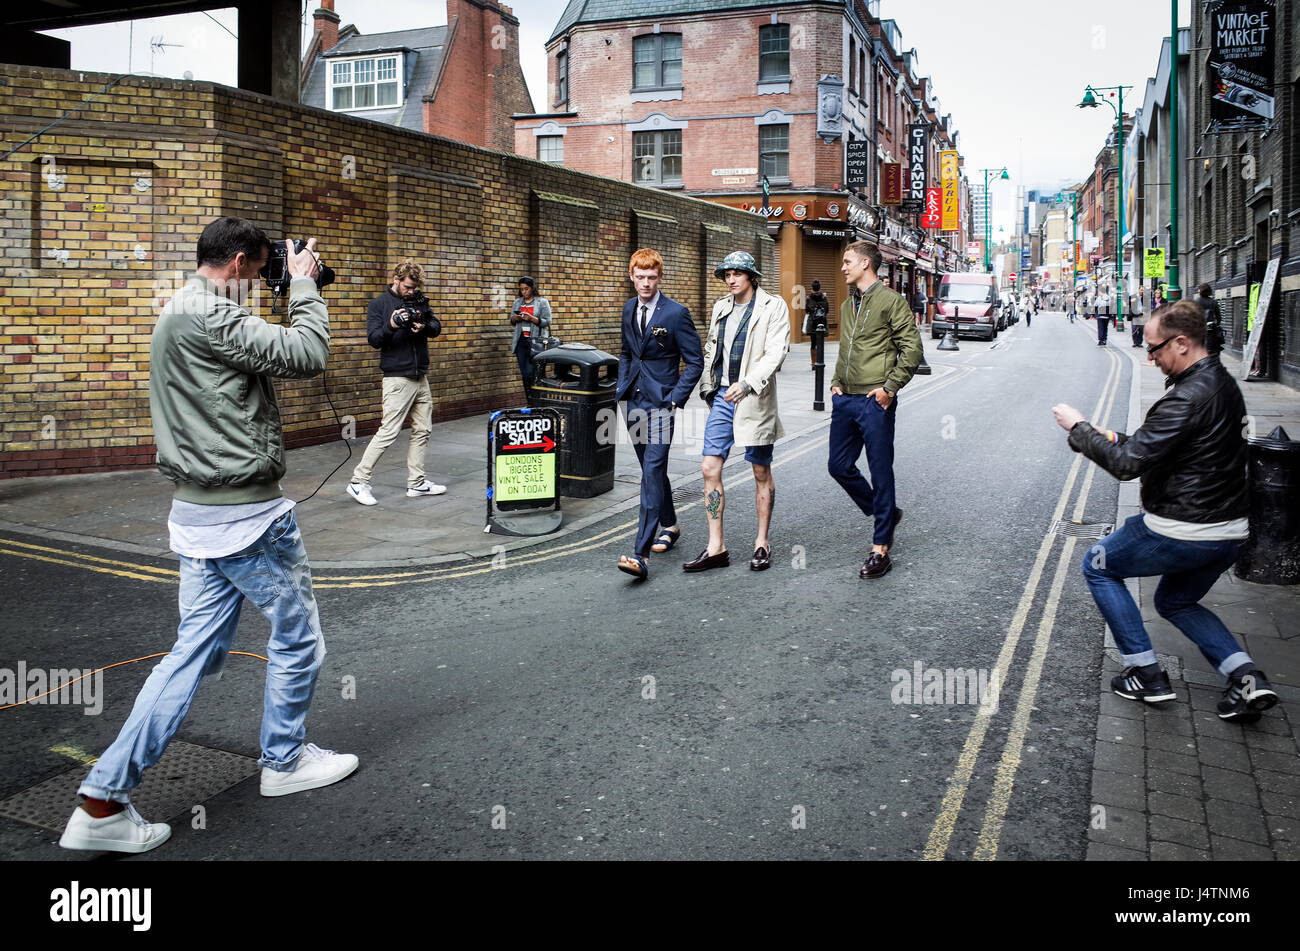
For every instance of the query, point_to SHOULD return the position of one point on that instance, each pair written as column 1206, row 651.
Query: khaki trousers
column 401, row 396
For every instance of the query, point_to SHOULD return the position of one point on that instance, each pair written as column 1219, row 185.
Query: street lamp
column 1002, row 174
column 1090, row 102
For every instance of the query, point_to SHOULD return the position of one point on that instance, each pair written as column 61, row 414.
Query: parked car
column 971, row 303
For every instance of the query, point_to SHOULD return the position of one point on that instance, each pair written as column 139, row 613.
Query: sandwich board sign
column 522, row 487
column 1258, row 317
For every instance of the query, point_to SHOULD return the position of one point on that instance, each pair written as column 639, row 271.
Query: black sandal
column 667, row 539
column 642, row 574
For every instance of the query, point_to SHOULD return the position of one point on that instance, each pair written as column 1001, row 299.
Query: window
column 364, row 83
column 774, row 51
column 774, row 151
column 853, row 65
column 561, row 77
column 657, row 157
column 550, row 148
column 657, row 61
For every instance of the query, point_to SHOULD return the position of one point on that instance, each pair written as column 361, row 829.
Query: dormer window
column 369, row 82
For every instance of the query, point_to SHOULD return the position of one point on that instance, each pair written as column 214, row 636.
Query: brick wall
column 103, row 212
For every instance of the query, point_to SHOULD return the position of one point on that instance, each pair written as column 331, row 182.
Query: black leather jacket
column 1190, row 451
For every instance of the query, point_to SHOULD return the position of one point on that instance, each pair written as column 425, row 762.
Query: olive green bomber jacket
column 879, row 343
column 216, row 419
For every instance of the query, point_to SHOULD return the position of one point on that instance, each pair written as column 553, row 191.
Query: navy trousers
column 858, row 422
column 650, row 428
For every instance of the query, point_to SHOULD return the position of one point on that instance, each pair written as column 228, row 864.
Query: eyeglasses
column 1151, row 351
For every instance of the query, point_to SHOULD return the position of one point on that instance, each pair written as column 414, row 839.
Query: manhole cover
column 186, row 775
column 1082, row 529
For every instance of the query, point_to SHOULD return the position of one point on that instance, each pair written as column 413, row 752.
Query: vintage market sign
column 1153, row 264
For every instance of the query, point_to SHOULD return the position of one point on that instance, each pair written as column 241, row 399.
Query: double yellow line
column 999, row 800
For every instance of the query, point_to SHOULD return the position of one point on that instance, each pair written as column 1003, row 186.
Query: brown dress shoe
column 762, row 560
column 877, row 565
column 707, row 561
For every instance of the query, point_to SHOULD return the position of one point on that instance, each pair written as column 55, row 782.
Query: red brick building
column 712, row 97
column 1098, row 209
column 462, row 81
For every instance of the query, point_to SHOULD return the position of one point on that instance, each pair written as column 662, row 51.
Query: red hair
column 647, row 260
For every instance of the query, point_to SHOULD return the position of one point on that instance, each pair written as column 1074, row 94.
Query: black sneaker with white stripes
column 1132, row 684
column 1248, row 695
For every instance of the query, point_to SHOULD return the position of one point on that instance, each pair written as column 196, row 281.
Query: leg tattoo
column 712, row 503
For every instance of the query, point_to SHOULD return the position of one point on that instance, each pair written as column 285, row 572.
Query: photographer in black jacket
column 399, row 324
column 1190, row 454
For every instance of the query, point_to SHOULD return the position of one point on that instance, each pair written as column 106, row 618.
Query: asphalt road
column 730, row 714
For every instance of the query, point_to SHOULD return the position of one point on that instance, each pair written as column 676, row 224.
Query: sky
column 1011, row 72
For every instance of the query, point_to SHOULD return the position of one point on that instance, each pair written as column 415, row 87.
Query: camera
column 415, row 309
column 276, row 271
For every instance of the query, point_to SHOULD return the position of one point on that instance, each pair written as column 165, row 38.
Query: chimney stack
column 327, row 25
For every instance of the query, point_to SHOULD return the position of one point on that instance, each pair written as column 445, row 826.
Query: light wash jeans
column 274, row 574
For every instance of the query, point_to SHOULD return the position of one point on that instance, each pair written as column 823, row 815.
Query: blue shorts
column 719, row 437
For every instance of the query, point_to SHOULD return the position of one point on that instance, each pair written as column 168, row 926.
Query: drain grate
column 1082, row 529
column 186, row 775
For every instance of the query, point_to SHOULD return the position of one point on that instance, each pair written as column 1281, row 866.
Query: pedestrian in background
column 1103, row 310
column 919, row 303
column 1137, row 314
column 816, row 308
column 1214, row 338
column 1190, row 453
column 530, row 315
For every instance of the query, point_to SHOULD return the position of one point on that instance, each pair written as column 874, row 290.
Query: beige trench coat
column 766, row 344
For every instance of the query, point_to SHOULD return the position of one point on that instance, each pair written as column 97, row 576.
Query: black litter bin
column 580, row 382
column 1272, row 555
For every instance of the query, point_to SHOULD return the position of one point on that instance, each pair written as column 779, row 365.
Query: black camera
column 415, row 309
column 276, row 271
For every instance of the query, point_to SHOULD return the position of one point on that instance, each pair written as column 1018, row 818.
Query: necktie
column 643, row 321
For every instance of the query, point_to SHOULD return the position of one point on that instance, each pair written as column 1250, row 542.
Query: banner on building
column 918, row 155
column 949, row 175
column 857, row 154
column 932, row 217
column 1243, row 36
column 891, row 183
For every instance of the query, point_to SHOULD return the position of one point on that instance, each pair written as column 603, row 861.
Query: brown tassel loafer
column 706, row 561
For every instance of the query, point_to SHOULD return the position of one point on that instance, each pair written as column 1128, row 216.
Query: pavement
column 127, row 511
column 1172, row 780
column 1169, row 782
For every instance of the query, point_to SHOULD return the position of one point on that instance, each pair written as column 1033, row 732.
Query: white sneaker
column 315, row 768
column 127, row 831
column 425, row 488
column 361, row 492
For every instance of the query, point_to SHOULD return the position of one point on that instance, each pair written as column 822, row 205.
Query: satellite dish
column 188, row 75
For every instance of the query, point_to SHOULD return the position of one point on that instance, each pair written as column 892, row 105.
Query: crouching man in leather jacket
column 1190, row 454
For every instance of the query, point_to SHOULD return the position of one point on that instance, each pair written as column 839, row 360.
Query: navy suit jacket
column 651, row 361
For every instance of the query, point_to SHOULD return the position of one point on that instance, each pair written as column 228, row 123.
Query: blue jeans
column 1189, row 569
column 274, row 574
column 857, row 421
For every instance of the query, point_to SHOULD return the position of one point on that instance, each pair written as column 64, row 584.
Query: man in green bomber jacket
column 880, row 349
column 217, row 426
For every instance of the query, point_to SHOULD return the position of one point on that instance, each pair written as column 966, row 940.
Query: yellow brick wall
column 103, row 213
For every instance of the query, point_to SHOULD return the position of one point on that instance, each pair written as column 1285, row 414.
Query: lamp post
column 1090, row 102
column 1175, row 292
column 1074, row 240
column 1002, row 174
